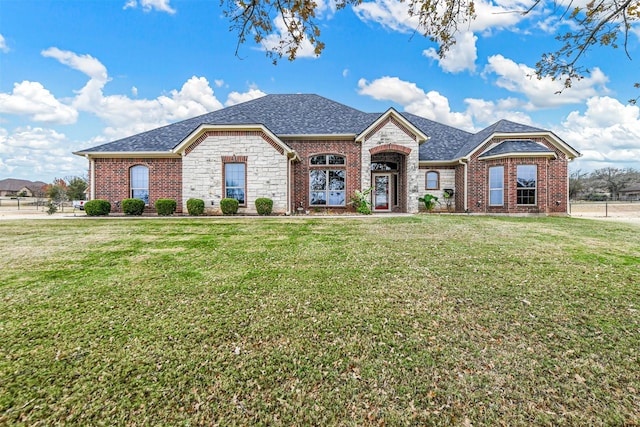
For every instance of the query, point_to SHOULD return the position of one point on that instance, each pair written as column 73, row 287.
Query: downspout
column 466, row 185
column 92, row 178
column 288, row 198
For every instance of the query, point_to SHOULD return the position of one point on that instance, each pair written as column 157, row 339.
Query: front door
column 382, row 192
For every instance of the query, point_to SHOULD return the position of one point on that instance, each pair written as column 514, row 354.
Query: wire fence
column 605, row 209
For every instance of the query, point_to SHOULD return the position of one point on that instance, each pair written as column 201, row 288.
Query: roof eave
column 319, row 136
column 125, row 154
column 519, row 154
column 434, row 163
column 568, row 150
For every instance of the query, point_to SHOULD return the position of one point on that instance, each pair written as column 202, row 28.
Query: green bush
column 165, row 207
column 133, row 206
column 229, row 206
column 97, row 207
column 264, row 206
column 195, row 206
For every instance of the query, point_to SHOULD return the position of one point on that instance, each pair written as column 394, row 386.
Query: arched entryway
column 389, row 182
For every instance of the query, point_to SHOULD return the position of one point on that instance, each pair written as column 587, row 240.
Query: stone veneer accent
column 397, row 139
column 266, row 169
column 447, row 180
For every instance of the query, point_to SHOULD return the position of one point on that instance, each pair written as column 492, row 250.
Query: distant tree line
column 602, row 184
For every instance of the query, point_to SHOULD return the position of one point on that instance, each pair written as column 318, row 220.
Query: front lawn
column 425, row 320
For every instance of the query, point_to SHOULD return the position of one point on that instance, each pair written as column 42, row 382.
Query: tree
column 594, row 23
column 76, row 187
column 57, row 191
column 576, row 183
column 614, row 179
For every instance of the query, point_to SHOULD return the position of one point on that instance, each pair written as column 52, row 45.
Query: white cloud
column 35, row 152
column 390, row 14
column 237, row 97
column 462, row 55
column 86, row 64
column 35, row 138
column 218, row 82
column 431, row 105
column 33, row 100
column 281, row 38
column 345, row 72
column 543, row 93
column 123, row 115
column 394, row 15
column 134, row 91
column 3, row 44
column 488, row 112
column 607, row 133
column 149, row 5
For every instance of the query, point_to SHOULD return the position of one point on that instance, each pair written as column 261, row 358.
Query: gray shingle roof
column 305, row 114
column 281, row 114
column 501, row 126
column 444, row 141
column 514, row 146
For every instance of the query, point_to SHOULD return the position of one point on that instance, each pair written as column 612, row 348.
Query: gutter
column 466, row 185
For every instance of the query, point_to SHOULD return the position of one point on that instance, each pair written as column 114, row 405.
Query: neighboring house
column 306, row 152
column 630, row 193
column 15, row 187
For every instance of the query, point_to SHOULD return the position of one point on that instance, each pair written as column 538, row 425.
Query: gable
column 392, row 118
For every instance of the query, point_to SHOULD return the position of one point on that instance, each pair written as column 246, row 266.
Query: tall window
column 496, row 186
column 433, row 180
column 527, row 184
column 327, row 180
column 234, row 182
column 139, row 183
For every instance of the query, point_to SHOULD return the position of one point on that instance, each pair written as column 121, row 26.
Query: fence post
column 606, row 209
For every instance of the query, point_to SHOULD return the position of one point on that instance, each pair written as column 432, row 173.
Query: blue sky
column 75, row 74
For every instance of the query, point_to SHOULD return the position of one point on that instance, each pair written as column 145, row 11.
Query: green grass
column 425, row 320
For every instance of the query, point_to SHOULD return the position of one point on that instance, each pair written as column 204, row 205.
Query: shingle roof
column 307, row 114
column 512, row 146
column 444, row 141
column 281, row 114
column 501, row 126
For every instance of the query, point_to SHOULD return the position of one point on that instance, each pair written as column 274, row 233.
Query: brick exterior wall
column 551, row 183
column 112, row 180
column 350, row 149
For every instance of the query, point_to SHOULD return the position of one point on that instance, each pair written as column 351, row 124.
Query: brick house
column 306, row 152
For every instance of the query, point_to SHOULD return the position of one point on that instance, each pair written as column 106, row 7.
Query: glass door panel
column 381, row 196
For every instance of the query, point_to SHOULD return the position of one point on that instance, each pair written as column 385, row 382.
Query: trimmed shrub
column 133, row 206
column 264, row 206
column 165, row 207
column 97, row 207
column 229, row 206
column 195, row 206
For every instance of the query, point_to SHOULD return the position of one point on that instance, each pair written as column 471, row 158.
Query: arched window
column 327, row 180
column 433, row 180
column 139, row 183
